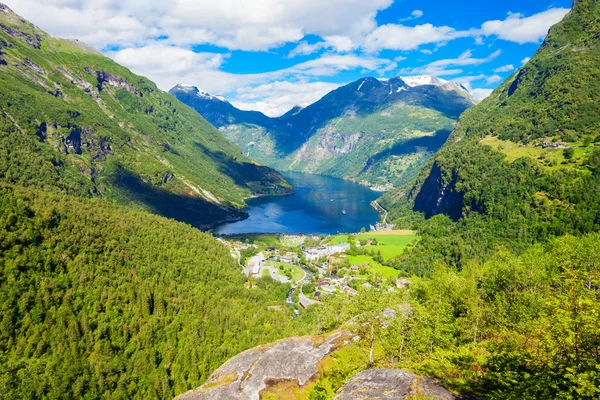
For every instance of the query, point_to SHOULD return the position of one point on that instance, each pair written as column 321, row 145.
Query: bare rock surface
column 375, row 384
column 244, row 376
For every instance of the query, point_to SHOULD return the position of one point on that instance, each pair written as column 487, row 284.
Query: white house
column 338, row 248
column 255, row 263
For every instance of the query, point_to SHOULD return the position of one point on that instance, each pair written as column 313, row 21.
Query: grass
column 297, row 272
column 550, row 158
column 377, row 268
column 390, row 243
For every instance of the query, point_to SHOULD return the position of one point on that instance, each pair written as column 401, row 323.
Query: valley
column 377, row 133
column 393, row 238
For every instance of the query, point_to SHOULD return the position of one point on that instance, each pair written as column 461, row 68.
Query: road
column 307, row 278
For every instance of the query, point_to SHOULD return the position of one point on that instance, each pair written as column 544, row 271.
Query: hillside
column 522, row 166
column 378, row 133
column 101, row 301
column 73, row 118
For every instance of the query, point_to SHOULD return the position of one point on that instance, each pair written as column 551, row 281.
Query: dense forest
column 100, row 301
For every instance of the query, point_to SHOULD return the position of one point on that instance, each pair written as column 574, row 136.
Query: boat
column 344, row 212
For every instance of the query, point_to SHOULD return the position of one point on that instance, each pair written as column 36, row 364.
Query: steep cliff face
column 438, row 196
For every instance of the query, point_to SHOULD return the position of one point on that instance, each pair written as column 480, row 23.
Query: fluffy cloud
column 480, row 94
column 525, row 60
column 401, row 37
column 447, row 67
column 278, row 97
column 414, row 15
column 493, row 79
column 505, row 68
column 341, row 44
column 233, row 24
column 520, row 29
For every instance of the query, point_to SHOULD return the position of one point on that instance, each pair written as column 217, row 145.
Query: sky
column 270, row 55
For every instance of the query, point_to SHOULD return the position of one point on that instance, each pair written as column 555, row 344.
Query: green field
column 297, row 272
column 390, row 244
column 550, row 158
column 377, row 268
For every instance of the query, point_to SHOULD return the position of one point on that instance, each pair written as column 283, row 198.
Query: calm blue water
column 316, row 207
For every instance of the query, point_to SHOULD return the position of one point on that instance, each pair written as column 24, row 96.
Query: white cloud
column 525, row 60
column 278, row 97
column 234, row 24
column 505, row 68
column 341, row 44
column 416, row 14
column 447, row 67
column 520, row 29
column 493, row 79
column 401, row 37
column 342, row 28
column 480, row 94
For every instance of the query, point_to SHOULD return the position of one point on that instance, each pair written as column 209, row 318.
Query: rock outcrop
column 375, row 384
column 246, row 375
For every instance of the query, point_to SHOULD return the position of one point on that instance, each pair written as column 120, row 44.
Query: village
column 317, row 267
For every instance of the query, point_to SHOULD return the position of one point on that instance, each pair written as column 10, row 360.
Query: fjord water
column 316, row 207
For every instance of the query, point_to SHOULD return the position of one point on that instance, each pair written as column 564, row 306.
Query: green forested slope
column 100, row 301
column 522, row 166
column 114, row 134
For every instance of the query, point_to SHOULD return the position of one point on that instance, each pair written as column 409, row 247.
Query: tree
column 569, row 153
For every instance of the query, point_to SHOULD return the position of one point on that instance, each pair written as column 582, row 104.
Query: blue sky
column 272, row 54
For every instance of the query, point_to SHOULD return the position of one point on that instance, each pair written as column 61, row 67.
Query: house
column 338, row 248
column 255, row 263
column 327, row 288
column 351, row 291
column 400, row 283
column 316, row 253
column 305, row 303
column 354, row 268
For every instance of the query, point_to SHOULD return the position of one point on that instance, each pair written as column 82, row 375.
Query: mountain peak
column 191, row 89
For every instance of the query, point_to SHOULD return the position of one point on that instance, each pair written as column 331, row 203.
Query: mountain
column 372, row 131
column 100, row 298
column 73, row 118
column 522, row 166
